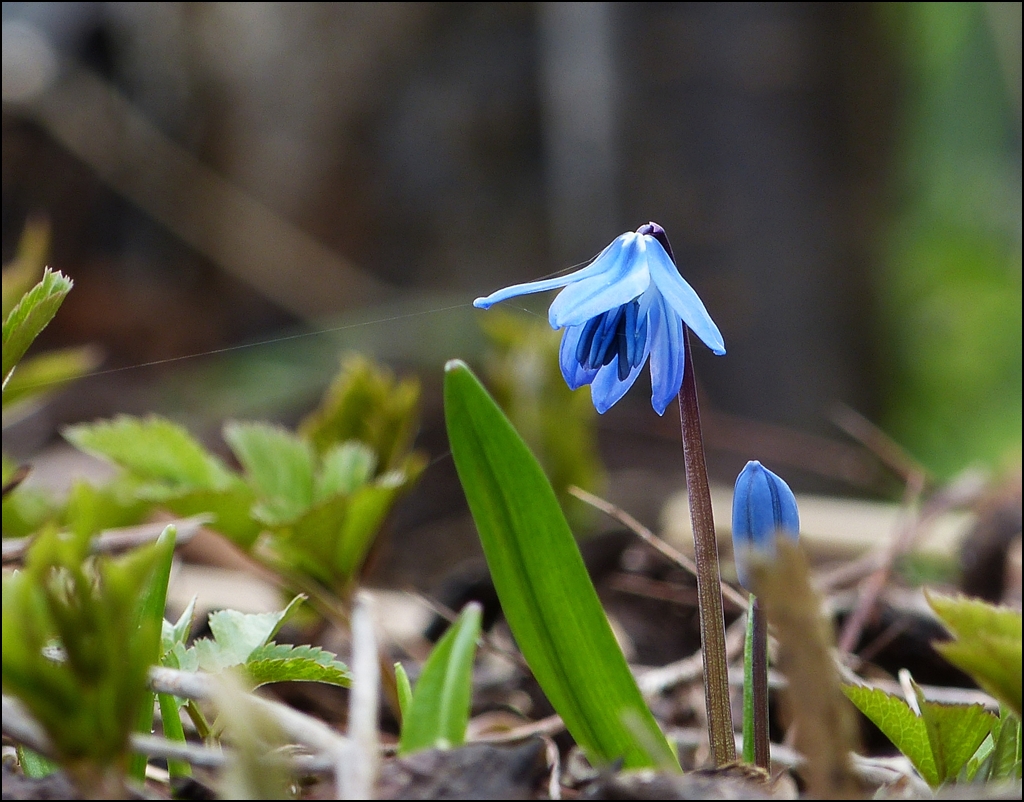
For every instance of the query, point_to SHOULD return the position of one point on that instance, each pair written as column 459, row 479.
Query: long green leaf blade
column 546, row 594
column 439, row 710
column 151, row 616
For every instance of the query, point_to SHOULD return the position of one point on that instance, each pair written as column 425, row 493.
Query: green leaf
column 279, row 466
column 177, row 633
column 330, row 541
column 404, row 690
column 439, row 710
column 368, row 507
column 987, row 645
column 954, row 733
column 346, row 467
column 900, row 724
column 366, row 403
column 30, row 316
column 98, row 610
column 282, row 663
column 545, row 591
column 1006, row 753
column 91, row 509
column 231, row 509
column 153, row 450
column 237, row 635
column 34, row 764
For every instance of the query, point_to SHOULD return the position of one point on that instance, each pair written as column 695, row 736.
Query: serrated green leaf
column 439, row 710
column 237, row 635
column 177, row 633
column 545, row 591
column 30, row 316
column 181, row 658
column 345, row 467
column 153, row 449
column 368, row 507
column 987, row 645
column 954, row 733
column 309, row 544
column 276, row 662
column 331, row 539
column 279, row 466
column 899, row 724
column 366, row 403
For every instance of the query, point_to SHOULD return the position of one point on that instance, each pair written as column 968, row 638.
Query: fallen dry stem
column 633, row 525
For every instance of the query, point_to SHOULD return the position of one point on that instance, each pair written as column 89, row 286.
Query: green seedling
column 306, row 504
column 435, row 714
column 78, row 639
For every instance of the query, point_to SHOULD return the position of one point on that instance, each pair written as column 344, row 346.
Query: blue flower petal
column 573, row 372
column 667, row 362
column 597, row 267
column 606, row 388
column 623, row 277
column 681, row 297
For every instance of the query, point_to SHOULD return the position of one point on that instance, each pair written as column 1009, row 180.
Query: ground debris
column 730, row 782
column 477, row 771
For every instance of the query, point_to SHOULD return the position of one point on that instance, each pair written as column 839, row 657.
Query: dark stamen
column 586, row 340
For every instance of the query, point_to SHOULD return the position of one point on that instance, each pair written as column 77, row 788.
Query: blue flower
column 626, row 305
column 762, row 506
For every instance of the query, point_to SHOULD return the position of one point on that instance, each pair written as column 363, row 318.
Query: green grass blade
column 545, row 591
column 404, row 690
column 173, row 731
column 439, row 710
column 748, row 686
column 151, row 614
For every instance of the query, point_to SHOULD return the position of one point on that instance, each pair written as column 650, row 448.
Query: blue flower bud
column 762, row 506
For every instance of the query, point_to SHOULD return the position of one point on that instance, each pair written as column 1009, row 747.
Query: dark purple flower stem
column 709, row 591
column 709, row 578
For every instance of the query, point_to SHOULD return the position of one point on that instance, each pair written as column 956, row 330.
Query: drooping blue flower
column 627, row 304
column 763, row 506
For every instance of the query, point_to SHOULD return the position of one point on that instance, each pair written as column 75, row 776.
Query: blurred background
column 841, row 184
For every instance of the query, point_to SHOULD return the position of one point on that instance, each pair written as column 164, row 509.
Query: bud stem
column 755, row 688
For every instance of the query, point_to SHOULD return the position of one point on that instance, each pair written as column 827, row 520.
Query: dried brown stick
column 633, row 525
column 962, row 491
